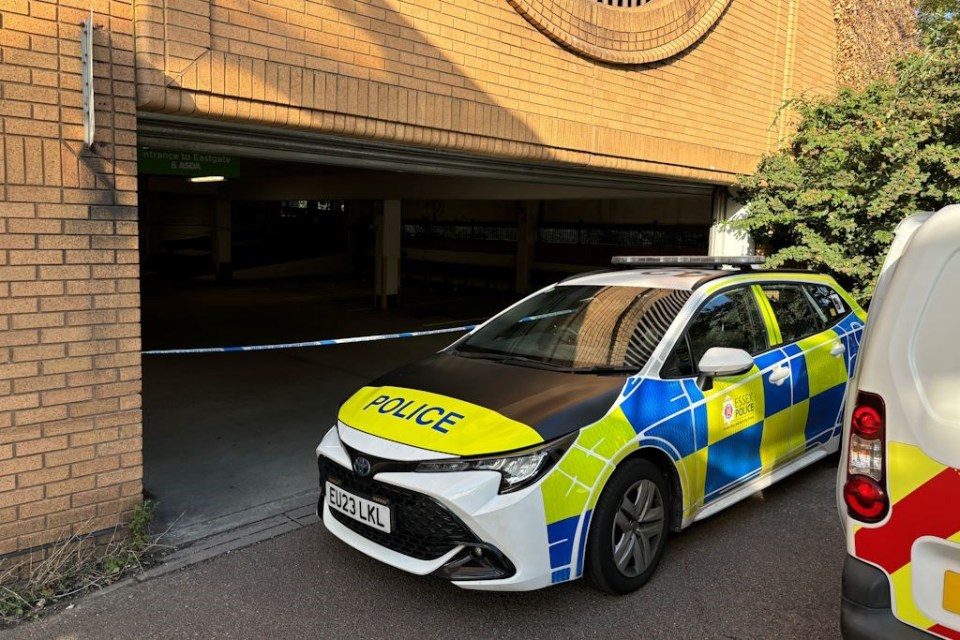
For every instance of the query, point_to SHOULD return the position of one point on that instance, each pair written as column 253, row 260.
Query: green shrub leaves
column 859, row 163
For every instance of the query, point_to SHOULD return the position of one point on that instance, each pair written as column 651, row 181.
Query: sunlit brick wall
column 474, row 75
column 70, row 421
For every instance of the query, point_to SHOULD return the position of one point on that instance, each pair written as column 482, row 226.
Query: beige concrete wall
column 70, row 445
column 477, row 76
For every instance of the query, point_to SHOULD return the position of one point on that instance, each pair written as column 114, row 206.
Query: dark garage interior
column 288, row 252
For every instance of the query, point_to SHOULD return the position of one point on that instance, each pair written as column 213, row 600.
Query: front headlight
column 517, row 469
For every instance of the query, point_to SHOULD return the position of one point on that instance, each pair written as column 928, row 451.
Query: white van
column 899, row 479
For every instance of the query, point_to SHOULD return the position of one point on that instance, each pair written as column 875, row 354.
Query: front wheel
column 629, row 528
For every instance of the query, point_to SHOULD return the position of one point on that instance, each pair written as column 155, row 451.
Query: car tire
column 629, row 528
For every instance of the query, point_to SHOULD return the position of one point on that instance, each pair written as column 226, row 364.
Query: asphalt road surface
column 766, row 568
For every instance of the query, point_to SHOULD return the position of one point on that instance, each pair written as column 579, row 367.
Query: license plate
column 951, row 591
column 368, row 512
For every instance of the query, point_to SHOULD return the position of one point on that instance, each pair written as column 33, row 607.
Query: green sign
column 167, row 162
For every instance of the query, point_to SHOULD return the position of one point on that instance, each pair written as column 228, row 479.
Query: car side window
column 729, row 319
column 795, row 311
column 828, row 301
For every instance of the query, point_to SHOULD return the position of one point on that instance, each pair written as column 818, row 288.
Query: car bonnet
column 465, row 406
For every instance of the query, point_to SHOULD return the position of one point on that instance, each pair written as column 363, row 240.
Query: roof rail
column 702, row 262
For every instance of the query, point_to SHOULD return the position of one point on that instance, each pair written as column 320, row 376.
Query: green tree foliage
column 938, row 22
column 860, row 162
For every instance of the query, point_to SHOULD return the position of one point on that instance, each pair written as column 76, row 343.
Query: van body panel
column 910, row 357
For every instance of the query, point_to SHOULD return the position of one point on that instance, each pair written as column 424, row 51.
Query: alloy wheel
column 638, row 528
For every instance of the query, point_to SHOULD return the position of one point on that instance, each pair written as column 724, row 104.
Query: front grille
column 422, row 528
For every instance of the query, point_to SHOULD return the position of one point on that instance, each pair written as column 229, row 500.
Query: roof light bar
column 714, row 262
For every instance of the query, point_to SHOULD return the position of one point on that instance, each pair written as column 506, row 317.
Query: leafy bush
column 938, row 21
column 860, row 162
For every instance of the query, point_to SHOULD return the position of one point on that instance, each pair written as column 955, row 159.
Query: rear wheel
column 629, row 528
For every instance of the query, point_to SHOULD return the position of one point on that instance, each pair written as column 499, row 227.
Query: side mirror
column 722, row 361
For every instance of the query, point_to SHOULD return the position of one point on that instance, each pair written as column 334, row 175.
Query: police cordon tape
column 311, row 343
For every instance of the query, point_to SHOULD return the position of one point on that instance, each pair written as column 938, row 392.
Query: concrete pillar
column 526, row 239
column 724, row 241
column 387, row 267
column 223, row 240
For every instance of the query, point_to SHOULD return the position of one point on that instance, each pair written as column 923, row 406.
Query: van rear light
column 867, row 420
column 865, row 499
column 863, row 492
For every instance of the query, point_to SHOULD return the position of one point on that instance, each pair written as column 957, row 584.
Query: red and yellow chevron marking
column 921, row 494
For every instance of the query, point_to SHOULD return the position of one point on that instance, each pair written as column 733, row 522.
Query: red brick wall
column 70, row 420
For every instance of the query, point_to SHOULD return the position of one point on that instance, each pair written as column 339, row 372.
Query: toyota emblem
column 361, row 466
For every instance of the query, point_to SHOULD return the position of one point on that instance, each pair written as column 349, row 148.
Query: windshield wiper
column 606, row 369
column 524, row 361
column 487, row 355
column 507, row 358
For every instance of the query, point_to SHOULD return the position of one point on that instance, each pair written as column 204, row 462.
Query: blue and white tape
column 312, row 343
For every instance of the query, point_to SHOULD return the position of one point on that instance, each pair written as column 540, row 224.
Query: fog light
column 476, row 562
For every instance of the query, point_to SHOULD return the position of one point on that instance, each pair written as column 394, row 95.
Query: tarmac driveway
column 766, row 568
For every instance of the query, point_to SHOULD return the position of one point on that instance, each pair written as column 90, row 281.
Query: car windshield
column 579, row 328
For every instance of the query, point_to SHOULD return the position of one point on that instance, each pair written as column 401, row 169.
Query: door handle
column 779, row 375
column 838, row 350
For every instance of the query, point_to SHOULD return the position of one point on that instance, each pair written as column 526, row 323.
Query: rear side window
column 729, row 319
column 803, row 310
column 795, row 311
column 828, row 301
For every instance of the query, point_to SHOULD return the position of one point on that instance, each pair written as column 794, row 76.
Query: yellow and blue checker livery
column 772, row 425
column 569, row 434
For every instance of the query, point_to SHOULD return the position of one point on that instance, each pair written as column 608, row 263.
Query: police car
column 570, row 433
column 899, row 479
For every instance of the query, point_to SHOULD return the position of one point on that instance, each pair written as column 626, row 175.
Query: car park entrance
column 290, row 249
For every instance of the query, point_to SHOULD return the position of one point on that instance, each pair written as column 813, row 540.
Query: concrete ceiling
column 282, row 164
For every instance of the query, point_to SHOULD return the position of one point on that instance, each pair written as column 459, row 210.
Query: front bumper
column 865, row 611
column 508, row 529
